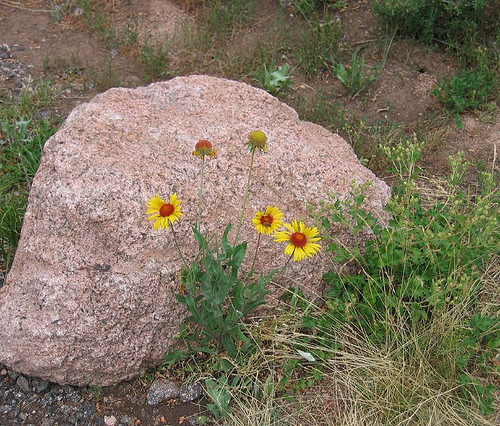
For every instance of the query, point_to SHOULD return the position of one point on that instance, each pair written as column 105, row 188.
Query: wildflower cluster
column 210, row 287
column 302, row 240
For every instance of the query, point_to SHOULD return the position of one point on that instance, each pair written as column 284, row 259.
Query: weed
column 355, row 78
column 11, row 218
column 308, row 8
column 269, row 49
column 96, row 392
column 220, row 395
column 424, row 264
column 97, row 19
column 479, row 347
column 275, row 80
column 155, row 60
column 130, row 34
column 102, row 78
column 317, row 43
column 22, row 137
column 467, row 90
column 109, row 78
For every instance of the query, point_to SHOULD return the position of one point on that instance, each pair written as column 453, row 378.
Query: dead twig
column 19, row 5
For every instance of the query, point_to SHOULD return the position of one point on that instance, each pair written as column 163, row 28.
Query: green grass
column 317, row 42
column 223, row 17
column 154, row 56
column 22, row 136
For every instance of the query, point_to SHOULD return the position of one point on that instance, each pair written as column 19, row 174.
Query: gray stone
column 12, row 374
column 162, row 390
column 190, row 392
column 127, row 420
column 90, row 297
column 23, row 383
column 39, row 385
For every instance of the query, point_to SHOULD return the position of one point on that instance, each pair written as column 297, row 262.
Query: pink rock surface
column 90, row 296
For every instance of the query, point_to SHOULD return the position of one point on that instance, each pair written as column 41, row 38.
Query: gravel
column 32, row 401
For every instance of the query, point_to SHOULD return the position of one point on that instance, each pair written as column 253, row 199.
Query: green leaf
column 228, row 344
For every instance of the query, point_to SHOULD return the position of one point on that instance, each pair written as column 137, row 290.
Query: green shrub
column 456, row 23
column 421, row 271
column 467, row 90
column 216, row 299
column 424, row 261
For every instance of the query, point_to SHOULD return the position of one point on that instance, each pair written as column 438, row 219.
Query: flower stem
column 178, row 247
column 200, row 197
column 255, row 256
column 286, row 264
column 245, row 198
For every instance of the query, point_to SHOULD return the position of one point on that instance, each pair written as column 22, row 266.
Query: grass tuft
column 22, row 136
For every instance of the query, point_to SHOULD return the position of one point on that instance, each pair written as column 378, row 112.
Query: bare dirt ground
column 75, row 59
column 37, row 42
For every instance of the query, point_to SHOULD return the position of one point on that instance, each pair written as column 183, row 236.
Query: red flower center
column 166, row 210
column 203, row 145
column 266, row 220
column 298, row 239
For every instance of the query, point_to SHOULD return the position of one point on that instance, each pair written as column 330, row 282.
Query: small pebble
column 13, row 375
column 23, row 383
column 162, row 390
column 127, row 420
column 110, row 420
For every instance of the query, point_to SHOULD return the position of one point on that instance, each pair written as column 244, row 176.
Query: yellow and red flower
column 164, row 213
column 203, row 148
column 301, row 240
column 269, row 221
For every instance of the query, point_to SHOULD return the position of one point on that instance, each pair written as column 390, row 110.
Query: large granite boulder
column 90, row 296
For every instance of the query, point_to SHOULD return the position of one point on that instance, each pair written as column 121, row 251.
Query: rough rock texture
column 190, row 392
column 90, row 296
column 162, row 390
